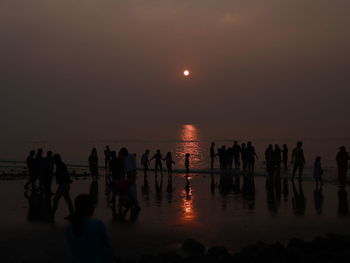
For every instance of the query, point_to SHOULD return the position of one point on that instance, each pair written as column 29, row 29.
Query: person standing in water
column 285, row 156
column 87, row 236
column 107, row 153
column 158, row 162
column 298, row 160
column 343, row 164
column 212, row 155
column 39, row 167
column 318, row 171
column 236, row 151
column 244, row 156
column 93, row 164
column 277, row 158
column 145, row 162
column 187, row 163
column 251, row 156
column 169, row 162
column 48, row 172
column 31, row 170
column 63, row 180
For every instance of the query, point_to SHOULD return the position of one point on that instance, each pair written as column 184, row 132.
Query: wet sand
column 234, row 219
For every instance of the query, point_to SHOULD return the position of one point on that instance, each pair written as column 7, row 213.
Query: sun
column 186, row 73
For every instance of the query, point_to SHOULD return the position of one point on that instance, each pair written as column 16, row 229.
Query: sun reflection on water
column 189, row 143
column 188, row 212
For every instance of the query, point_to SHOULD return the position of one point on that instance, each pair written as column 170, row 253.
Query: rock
column 193, row 247
column 217, row 251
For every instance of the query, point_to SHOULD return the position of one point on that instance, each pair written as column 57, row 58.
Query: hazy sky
column 94, row 68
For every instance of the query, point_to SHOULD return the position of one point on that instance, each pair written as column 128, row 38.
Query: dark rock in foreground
column 331, row 248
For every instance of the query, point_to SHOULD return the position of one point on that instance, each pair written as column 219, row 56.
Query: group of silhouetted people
column 234, row 156
column 41, row 171
column 158, row 162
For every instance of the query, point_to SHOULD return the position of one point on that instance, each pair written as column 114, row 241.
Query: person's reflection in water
column 343, row 205
column 278, row 188
column 63, row 180
column 212, row 183
column 169, row 188
column 226, row 183
column 270, row 190
column 159, row 189
column 285, row 189
column 94, row 192
column 318, row 199
column 299, row 200
column 248, row 190
column 237, row 183
column 145, row 188
column 39, row 209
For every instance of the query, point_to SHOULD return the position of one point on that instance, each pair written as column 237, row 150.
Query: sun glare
column 186, row 73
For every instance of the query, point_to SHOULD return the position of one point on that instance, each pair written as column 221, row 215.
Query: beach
column 198, row 208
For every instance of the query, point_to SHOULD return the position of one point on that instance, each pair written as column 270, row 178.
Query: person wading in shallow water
column 169, row 162
column 285, row 156
column 343, row 164
column 145, row 162
column 158, row 162
column 298, row 160
column 93, row 164
column 212, row 155
column 187, row 163
column 63, row 180
column 87, row 236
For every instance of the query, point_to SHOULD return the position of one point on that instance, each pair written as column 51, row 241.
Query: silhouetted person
column 31, row 170
column 229, row 154
column 285, row 156
column 251, row 156
column 318, row 171
column 116, row 167
column 145, row 162
column 127, row 197
column 93, row 164
column 169, row 162
column 48, row 173
column 222, row 153
column 236, row 152
column 39, row 167
column 212, row 155
column 88, row 236
column 298, row 160
column 107, row 154
column 63, row 180
column 269, row 159
column 299, row 201
column 343, row 204
column 277, row 157
column 187, row 163
column 318, row 199
column 158, row 162
column 343, row 164
column 244, row 156
column 129, row 162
